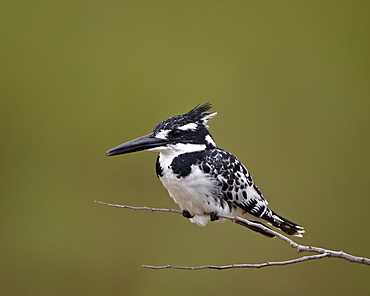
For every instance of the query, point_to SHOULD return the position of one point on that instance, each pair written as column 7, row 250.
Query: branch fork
column 322, row 253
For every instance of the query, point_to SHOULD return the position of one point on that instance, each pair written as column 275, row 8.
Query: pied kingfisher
column 203, row 179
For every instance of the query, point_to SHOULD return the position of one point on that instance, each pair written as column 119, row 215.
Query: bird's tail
column 274, row 219
column 285, row 225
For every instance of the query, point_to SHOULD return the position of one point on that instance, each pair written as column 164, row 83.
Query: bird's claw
column 213, row 216
column 186, row 214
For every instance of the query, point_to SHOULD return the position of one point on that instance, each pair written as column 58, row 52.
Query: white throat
column 174, row 150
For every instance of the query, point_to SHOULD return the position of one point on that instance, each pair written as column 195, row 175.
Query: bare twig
column 322, row 253
column 139, row 208
column 305, row 258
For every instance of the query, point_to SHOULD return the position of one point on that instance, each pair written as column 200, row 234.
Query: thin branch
column 305, row 258
column 139, row 208
column 300, row 248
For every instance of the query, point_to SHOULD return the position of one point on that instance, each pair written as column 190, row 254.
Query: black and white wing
column 237, row 188
column 235, row 182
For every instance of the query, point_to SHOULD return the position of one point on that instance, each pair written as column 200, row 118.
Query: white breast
column 192, row 193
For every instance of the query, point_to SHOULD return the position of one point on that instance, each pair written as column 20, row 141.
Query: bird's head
column 186, row 132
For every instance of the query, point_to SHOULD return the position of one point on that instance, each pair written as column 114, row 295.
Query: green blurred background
column 290, row 83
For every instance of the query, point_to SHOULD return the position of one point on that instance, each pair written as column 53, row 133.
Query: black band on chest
column 158, row 168
column 181, row 165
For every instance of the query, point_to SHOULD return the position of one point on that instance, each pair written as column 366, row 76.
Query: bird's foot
column 186, row 214
column 213, row 216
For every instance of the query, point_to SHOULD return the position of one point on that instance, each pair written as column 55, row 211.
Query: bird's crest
column 198, row 115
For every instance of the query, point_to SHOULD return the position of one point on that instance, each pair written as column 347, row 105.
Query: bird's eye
column 176, row 133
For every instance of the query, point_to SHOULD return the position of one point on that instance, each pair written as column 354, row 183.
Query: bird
column 203, row 179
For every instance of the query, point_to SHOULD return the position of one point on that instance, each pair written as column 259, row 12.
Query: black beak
column 139, row 144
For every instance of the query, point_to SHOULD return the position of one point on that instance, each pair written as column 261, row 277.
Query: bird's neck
column 174, row 150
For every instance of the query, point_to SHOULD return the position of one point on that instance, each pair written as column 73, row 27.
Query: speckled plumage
column 203, row 179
